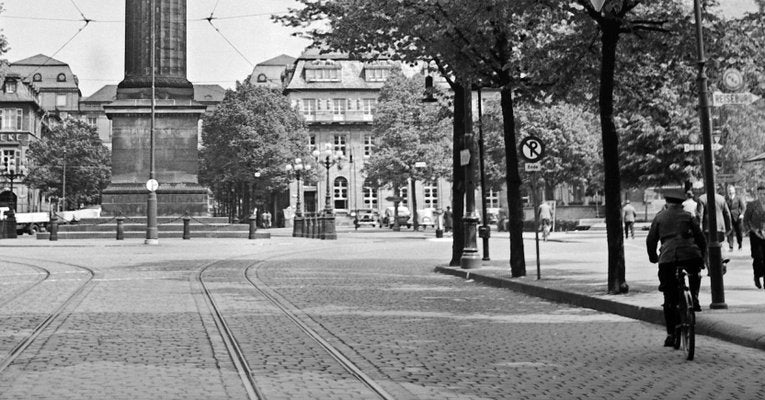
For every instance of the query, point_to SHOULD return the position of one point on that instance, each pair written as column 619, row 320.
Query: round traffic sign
column 733, row 80
column 152, row 185
column 532, row 149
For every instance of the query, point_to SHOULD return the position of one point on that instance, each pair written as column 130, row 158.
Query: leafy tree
column 70, row 152
column 408, row 131
column 3, row 40
column 571, row 146
column 253, row 131
column 469, row 41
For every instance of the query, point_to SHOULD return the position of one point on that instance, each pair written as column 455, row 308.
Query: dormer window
column 61, row 77
column 37, row 77
column 262, row 78
column 322, row 71
column 377, row 71
column 10, row 87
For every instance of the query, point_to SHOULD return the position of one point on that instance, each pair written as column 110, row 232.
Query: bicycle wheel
column 687, row 323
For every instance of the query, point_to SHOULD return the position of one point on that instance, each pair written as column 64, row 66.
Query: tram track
column 252, row 382
column 21, row 345
column 43, row 274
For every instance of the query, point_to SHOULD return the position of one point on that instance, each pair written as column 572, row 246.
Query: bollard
column 186, row 234
column 253, row 226
column 120, row 228
column 10, row 224
column 53, row 228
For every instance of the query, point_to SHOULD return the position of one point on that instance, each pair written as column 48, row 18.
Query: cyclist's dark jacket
column 681, row 238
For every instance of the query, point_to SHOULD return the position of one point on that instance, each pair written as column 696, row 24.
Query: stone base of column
column 328, row 230
column 297, row 227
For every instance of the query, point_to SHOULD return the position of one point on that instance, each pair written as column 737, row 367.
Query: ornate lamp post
column 11, row 172
column 328, row 158
column 297, row 167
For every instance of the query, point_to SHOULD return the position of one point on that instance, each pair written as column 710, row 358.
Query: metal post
column 715, row 257
column 484, row 232
column 120, row 228
column 470, row 257
column 53, row 228
column 186, row 229
column 152, row 233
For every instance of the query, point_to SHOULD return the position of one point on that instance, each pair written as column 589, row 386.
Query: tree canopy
column 70, row 152
column 408, row 131
column 254, row 131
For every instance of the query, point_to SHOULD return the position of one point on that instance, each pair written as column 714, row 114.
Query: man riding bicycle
column 682, row 245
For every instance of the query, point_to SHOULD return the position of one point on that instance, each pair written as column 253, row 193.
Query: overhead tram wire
column 209, row 20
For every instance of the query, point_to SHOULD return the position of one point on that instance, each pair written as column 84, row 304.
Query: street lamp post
column 152, row 231
column 11, row 172
column 328, row 158
column 298, row 227
column 470, row 257
column 484, row 231
column 715, row 256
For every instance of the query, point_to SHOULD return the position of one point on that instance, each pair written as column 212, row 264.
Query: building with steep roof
column 57, row 84
column 337, row 97
column 20, row 124
column 273, row 72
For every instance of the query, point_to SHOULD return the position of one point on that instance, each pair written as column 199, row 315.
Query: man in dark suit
column 737, row 207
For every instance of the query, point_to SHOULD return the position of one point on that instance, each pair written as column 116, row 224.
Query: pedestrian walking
column 629, row 214
column 545, row 215
column 267, row 220
column 723, row 217
column 682, row 244
column 754, row 223
column 690, row 205
column 448, row 219
column 737, row 207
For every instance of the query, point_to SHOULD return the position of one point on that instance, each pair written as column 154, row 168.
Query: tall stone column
column 176, row 117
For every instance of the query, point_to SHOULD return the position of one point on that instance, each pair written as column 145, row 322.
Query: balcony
column 348, row 117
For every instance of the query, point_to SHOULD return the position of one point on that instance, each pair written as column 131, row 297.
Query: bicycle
column 545, row 229
column 685, row 329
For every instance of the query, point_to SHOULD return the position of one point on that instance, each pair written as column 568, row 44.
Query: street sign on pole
column 532, row 149
column 464, row 157
column 689, row 147
column 533, row 167
column 724, row 99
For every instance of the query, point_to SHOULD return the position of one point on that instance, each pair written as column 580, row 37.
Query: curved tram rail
column 239, row 358
column 43, row 275
column 24, row 343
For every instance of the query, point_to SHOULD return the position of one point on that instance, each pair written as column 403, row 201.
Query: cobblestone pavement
column 144, row 332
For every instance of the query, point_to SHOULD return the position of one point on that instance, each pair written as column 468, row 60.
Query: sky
column 96, row 54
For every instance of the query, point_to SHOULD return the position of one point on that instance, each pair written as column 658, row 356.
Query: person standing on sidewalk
column 448, row 219
column 754, row 223
column 689, row 205
column 629, row 213
column 682, row 244
column 737, row 207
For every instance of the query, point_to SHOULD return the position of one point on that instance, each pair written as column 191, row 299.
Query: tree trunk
column 415, row 222
column 612, row 185
column 512, row 178
column 461, row 104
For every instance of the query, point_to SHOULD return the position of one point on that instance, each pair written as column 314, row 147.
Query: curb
column 732, row 333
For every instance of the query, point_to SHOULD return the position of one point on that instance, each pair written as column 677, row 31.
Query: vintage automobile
column 366, row 216
column 404, row 216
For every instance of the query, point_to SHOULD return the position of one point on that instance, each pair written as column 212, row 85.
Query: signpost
column 533, row 150
column 724, row 99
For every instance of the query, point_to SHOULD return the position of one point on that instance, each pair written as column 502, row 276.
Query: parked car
column 426, row 217
column 404, row 216
column 366, row 216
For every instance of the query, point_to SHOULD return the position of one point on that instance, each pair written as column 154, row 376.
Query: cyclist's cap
column 675, row 195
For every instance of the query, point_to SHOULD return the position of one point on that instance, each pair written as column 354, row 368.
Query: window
column 322, row 74
column 368, row 145
column 368, row 106
column 11, row 118
column 60, row 100
column 9, row 156
column 311, row 143
column 61, row 77
column 370, row 197
column 376, row 74
column 262, row 78
column 338, row 106
column 10, row 87
column 431, row 195
column 340, row 142
column 492, row 199
column 341, row 193
column 403, row 191
column 309, row 107
column 93, row 121
column 37, row 77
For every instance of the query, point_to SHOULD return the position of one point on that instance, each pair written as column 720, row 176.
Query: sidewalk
column 573, row 270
